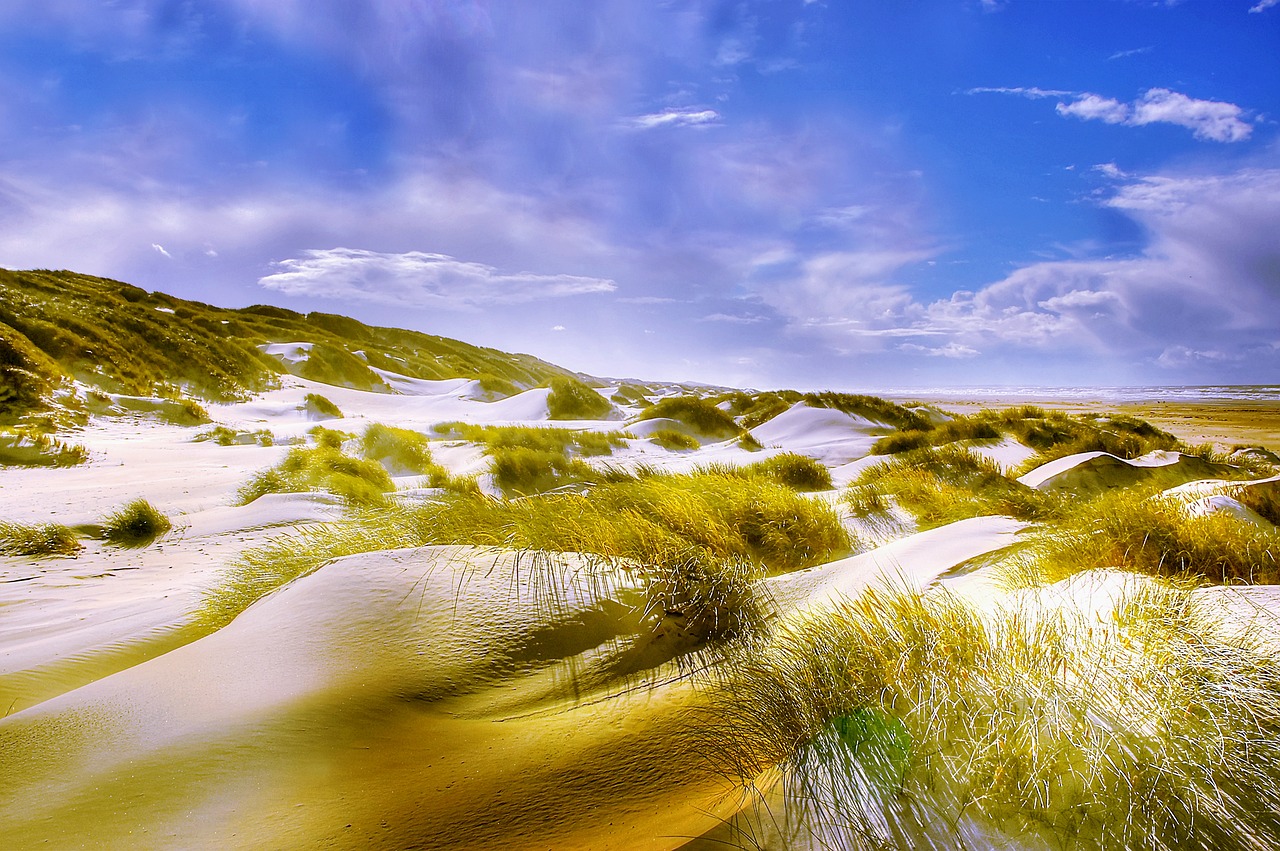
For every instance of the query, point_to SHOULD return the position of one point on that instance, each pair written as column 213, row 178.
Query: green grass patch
column 532, row 459
column 669, row 438
column 37, row 539
column 701, row 539
column 320, row 406
column 321, row 468
column 943, row 485
column 137, row 524
column 798, row 472
column 570, row 399
column 401, row 451
column 23, row 447
column 894, row 716
column 1155, row 535
column 698, row 414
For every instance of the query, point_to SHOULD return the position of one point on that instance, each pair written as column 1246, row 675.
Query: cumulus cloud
column 1095, row 107
column 1211, row 120
column 418, row 278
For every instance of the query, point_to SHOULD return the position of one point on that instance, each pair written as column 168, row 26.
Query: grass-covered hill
column 59, row 324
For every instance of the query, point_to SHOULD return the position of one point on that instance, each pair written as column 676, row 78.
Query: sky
column 817, row 194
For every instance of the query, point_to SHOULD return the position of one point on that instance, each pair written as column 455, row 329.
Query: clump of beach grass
column 945, row 484
column 1155, row 535
column 700, row 540
column 906, row 720
column 24, row 447
column 401, row 451
column 698, row 414
column 675, row 441
column 136, row 524
column 321, row 468
column 570, row 399
column 798, row 472
column 321, row 407
column 38, row 539
column 531, row 459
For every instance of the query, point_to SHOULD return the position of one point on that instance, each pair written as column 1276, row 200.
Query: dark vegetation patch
column 37, row 539
column 700, row 415
column 58, row 324
column 137, row 524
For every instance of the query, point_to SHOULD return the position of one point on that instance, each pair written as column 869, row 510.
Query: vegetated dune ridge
column 455, row 696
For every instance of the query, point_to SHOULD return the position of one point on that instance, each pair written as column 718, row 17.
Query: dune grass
column 698, row 414
column 532, row 459
column 701, row 539
column 1264, row 499
column 1052, row 434
column 25, row 447
column 136, row 524
column 224, row 436
column 320, row 406
column 401, row 451
column 324, row 467
column 1155, row 535
column 37, row 539
column 903, row 720
column 570, row 399
column 946, row 484
column 675, row 441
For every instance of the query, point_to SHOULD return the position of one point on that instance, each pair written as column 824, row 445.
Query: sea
column 1156, row 393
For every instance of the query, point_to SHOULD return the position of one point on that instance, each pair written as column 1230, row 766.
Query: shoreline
column 1220, row 421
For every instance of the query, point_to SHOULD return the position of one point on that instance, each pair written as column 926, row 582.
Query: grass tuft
column 570, row 399
column 321, row 468
column 902, row 720
column 320, row 406
column 1157, row 536
column 946, row 484
column 669, row 438
column 37, row 539
column 137, row 524
column 698, row 414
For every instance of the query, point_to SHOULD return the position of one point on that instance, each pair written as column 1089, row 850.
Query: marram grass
column 136, row 524
column 945, row 484
column 1151, row 534
column 37, row 539
column 909, row 721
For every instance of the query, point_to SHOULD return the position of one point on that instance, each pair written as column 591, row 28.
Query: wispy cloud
column 1137, row 51
column 733, row 319
column 418, row 278
column 1263, row 5
column 683, row 117
column 159, row 249
column 1092, row 107
column 1032, row 92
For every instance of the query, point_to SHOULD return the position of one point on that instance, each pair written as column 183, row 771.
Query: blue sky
column 854, row 195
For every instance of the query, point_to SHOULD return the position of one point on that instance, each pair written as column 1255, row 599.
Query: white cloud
column 1032, row 92
column 418, row 279
column 1263, row 5
column 953, row 350
column 1203, row 294
column 1125, row 54
column 557, row 328
column 1216, row 121
column 1095, row 107
column 159, row 249
column 1207, row 119
column 733, row 319
column 683, row 117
